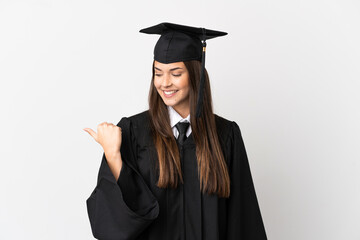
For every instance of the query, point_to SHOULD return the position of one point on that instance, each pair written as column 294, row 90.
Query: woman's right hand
column 108, row 136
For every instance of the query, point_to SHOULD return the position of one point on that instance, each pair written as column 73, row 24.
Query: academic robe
column 135, row 208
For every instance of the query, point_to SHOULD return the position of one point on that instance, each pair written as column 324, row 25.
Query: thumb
column 91, row 132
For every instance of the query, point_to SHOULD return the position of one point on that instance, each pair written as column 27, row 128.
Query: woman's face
column 172, row 83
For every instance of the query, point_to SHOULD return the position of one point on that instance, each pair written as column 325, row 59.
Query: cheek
column 183, row 83
column 156, row 83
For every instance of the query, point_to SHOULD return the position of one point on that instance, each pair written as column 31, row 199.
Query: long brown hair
column 212, row 168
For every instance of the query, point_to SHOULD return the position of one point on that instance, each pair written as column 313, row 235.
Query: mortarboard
column 182, row 43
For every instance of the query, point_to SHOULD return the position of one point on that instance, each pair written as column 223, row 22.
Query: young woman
column 176, row 170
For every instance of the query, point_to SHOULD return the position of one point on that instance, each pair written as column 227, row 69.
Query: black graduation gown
column 135, row 208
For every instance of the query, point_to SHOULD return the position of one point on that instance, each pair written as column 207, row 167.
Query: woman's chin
column 169, row 104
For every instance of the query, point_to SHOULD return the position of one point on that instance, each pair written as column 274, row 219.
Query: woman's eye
column 175, row 75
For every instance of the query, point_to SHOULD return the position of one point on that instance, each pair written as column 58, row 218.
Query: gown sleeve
column 244, row 216
column 121, row 209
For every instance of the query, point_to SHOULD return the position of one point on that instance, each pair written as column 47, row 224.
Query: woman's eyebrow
column 170, row 69
column 175, row 68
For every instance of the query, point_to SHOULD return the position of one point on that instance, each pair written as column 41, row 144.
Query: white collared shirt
column 175, row 117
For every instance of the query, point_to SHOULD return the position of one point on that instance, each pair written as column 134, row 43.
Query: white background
column 288, row 73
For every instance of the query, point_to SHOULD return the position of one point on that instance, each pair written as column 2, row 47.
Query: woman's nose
column 166, row 80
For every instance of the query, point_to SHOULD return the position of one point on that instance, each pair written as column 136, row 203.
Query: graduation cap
column 182, row 43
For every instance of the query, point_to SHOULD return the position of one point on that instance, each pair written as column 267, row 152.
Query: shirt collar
column 175, row 117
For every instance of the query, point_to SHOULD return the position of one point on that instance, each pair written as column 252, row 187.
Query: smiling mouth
column 170, row 93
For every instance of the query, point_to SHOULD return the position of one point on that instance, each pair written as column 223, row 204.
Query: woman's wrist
column 113, row 157
column 115, row 163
